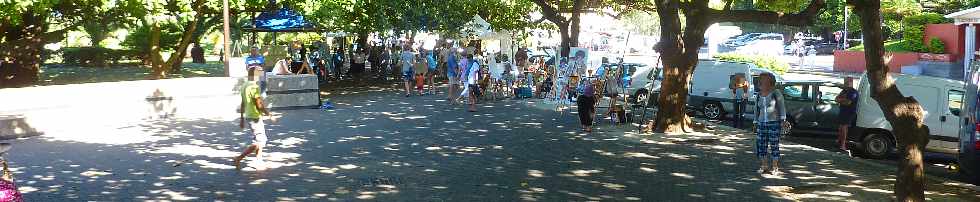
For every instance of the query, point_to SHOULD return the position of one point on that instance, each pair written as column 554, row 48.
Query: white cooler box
column 292, row 91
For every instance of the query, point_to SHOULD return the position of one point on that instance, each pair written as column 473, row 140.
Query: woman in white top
column 770, row 120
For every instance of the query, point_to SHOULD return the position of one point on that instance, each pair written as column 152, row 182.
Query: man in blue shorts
column 407, row 59
column 451, row 73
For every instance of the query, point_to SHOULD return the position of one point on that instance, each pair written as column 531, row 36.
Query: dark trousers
column 586, row 106
column 737, row 118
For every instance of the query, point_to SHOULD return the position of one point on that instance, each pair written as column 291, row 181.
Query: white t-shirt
column 473, row 76
column 407, row 59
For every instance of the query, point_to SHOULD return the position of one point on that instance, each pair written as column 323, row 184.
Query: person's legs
column 432, row 82
column 737, row 117
column 407, row 76
column 842, row 136
column 472, row 97
column 259, row 140
column 774, row 147
column 760, row 146
column 238, row 159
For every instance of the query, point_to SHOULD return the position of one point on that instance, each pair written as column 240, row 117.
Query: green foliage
column 138, row 38
column 915, row 30
column 890, row 46
column 766, row 62
column 936, row 46
column 96, row 56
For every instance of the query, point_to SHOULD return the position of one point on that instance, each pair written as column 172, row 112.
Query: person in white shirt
column 472, row 76
column 407, row 60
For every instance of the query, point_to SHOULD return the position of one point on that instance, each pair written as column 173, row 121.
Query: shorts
column 408, row 76
column 258, row 132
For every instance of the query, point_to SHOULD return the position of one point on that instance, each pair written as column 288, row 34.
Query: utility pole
column 844, row 47
column 227, row 35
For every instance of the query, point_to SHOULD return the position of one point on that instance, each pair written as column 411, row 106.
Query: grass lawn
column 890, row 46
column 57, row 74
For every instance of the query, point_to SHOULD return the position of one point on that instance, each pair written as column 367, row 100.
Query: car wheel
column 712, row 110
column 876, row 146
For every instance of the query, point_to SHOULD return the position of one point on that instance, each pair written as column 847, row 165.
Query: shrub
column 96, row 56
column 915, row 30
column 767, row 62
column 936, row 46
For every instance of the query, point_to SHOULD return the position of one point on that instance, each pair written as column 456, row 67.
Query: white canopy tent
column 968, row 17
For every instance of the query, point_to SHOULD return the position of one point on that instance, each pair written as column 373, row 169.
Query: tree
column 26, row 26
column 679, row 47
column 567, row 27
column 903, row 113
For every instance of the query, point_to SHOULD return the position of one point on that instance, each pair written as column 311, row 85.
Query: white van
column 940, row 98
column 709, row 91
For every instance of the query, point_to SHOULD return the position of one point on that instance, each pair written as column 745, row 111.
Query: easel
column 646, row 104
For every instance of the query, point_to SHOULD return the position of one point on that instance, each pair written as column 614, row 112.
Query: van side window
column 955, row 98
column 797, row 92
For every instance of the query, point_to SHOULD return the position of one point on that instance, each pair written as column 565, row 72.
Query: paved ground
column 379, row 145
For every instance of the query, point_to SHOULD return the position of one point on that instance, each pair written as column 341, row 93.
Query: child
column 252, row 106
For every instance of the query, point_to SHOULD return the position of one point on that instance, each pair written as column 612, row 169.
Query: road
column 379, row 145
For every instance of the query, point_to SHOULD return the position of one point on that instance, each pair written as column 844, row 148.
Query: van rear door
column 951, row 119
column 929, row 97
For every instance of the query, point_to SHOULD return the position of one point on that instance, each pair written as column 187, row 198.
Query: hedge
column 96, row 56
column 767, row 62
column 915, row 31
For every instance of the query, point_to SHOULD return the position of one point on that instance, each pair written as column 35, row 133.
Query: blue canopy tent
column 281, row 20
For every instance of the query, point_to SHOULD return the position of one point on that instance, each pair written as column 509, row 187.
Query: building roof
column 967, row 16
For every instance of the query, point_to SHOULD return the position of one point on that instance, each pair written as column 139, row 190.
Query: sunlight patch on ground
column 639, row 155
column 179, row 196
column 26, row 189
column 289, row 142
column 535, row 173
column 325, row 169
column 648, row 170
column 194, row 150
column 95, row 173
column 682, row 175
column 347, row 166
column 584, row 173
column 209, row 164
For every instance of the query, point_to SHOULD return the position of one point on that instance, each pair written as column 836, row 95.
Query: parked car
column 766, row 44
column 941, row 99
column 740, row 39
column 709, row 92
column 811, row 107
column 969, row 133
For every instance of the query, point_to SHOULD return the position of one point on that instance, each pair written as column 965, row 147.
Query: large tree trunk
column 23, row 44
column 903, row 113
column 156, row 60
column 177, row 58
column 566, row 41
column 679, row 54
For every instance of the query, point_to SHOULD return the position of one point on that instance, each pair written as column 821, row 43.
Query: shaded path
column 379, row 145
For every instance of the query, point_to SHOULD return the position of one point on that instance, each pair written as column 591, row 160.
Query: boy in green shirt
column 251, row 111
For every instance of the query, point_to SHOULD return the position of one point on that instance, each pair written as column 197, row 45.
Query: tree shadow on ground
column 379, row 145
